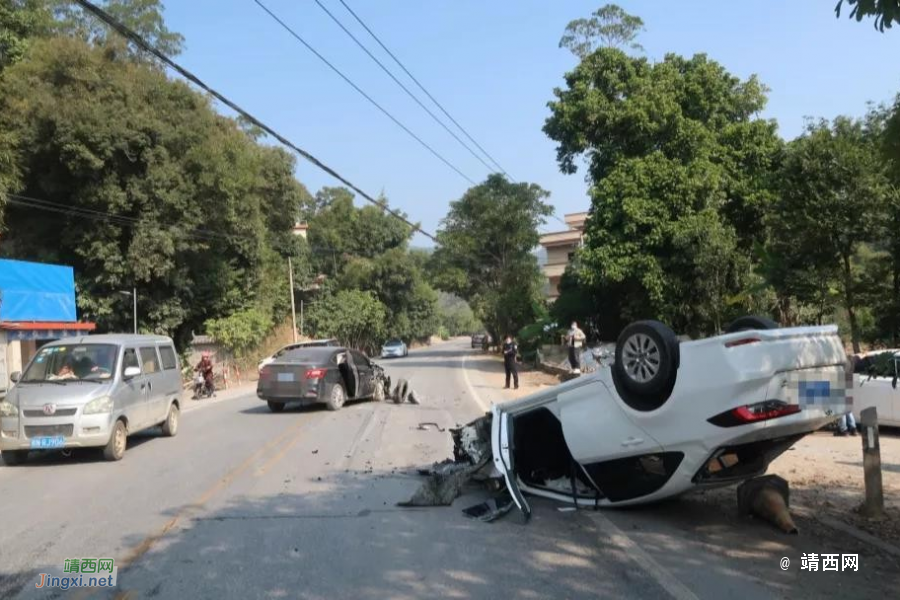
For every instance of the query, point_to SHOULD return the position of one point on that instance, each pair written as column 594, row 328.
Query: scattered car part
column 443, row 485
column 400, row 391
column 767, row 497
column 429, row 426
column 413, row 397
column 490, row 510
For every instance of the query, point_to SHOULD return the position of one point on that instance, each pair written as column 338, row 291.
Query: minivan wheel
column 647, row 361
column 275, row 407
column 336, row 397
column 751, row 323
column 14, row 458
column 170, row 425
column 115, row 447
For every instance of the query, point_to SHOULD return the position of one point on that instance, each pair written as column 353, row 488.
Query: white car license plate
column 285, row 377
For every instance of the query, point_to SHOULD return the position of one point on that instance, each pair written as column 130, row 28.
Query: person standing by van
column 510, row 350
column 575, row 341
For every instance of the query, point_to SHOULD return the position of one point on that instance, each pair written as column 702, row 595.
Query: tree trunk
column 849, row 301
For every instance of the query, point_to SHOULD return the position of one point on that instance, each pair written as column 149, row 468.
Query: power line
column 134, row 222
column 403, row 87
column 362, row 93
column 422, row 87
column 117, row 219
column 144, row 45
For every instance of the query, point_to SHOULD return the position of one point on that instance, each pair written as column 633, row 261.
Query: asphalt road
column 244, row 503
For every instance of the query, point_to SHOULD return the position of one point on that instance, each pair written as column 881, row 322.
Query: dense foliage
column 485, row 252
column 700, row 212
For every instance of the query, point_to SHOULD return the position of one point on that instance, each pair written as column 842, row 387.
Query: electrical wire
column 349, row 81
column 422, row 87
column 403, row 87
column 147, row 47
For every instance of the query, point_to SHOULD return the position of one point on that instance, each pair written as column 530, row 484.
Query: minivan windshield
column 78, row 362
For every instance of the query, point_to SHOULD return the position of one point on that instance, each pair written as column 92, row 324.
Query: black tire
column 751, row 323
column 170, row 425
column 401, row 392
column 647, row 360
column 118, row 439
column 275, row 407
column 14, row 458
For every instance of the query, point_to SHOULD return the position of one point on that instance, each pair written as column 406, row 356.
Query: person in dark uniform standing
column 510, row 350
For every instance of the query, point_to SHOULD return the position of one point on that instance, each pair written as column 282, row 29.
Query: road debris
column 767, row 497
column 429, row 426
column 404, row 393
column 491, row 510
column 471, row 462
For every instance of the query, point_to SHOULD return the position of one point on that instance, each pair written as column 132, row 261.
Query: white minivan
column 91, row 391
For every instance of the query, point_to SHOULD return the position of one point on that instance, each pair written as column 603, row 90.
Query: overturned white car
column 665, row 417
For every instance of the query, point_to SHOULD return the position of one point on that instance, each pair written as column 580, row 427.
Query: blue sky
column 493, row 64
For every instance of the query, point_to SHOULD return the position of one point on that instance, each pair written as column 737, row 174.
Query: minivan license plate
column 41, row 443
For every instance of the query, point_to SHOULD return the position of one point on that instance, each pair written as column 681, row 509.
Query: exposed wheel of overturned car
column 751, row 323
column 647, row 361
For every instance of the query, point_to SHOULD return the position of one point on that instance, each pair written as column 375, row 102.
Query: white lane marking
column 671, row 584
column 472, row 391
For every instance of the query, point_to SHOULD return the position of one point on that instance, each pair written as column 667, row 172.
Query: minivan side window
column 150, row 360
column 130, row 359
column 167, row 354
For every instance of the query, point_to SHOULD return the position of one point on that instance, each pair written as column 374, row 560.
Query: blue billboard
column 36, row 292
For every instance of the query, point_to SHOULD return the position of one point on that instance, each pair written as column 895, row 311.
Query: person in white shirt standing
column 575, row 341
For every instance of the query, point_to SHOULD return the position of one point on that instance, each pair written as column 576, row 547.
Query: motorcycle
column 201, row 389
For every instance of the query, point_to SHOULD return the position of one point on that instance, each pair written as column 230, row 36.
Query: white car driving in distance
column 665, row 417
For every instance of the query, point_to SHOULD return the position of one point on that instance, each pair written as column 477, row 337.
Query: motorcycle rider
column 205, row 368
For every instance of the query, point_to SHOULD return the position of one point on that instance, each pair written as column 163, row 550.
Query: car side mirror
column 131, row 372
column 15, row 376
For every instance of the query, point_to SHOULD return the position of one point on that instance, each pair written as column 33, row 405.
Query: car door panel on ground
column 134, row 391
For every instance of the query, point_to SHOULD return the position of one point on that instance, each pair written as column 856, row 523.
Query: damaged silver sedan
column 664, row 418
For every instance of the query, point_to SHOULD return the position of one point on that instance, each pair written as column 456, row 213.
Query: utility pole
column 134, row 296
column 301, row 315
column 293, row 308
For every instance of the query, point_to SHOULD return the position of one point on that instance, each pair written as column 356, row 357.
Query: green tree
column 166, row 195
column 144, row 17
column 608, row 27
column 398, row 281
column 681, row 176
column 354, row 317
column 886, row 12
column 339, row 230
column 21, row 20
column 241, row 331
column 485, row 252
column 833, row 199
